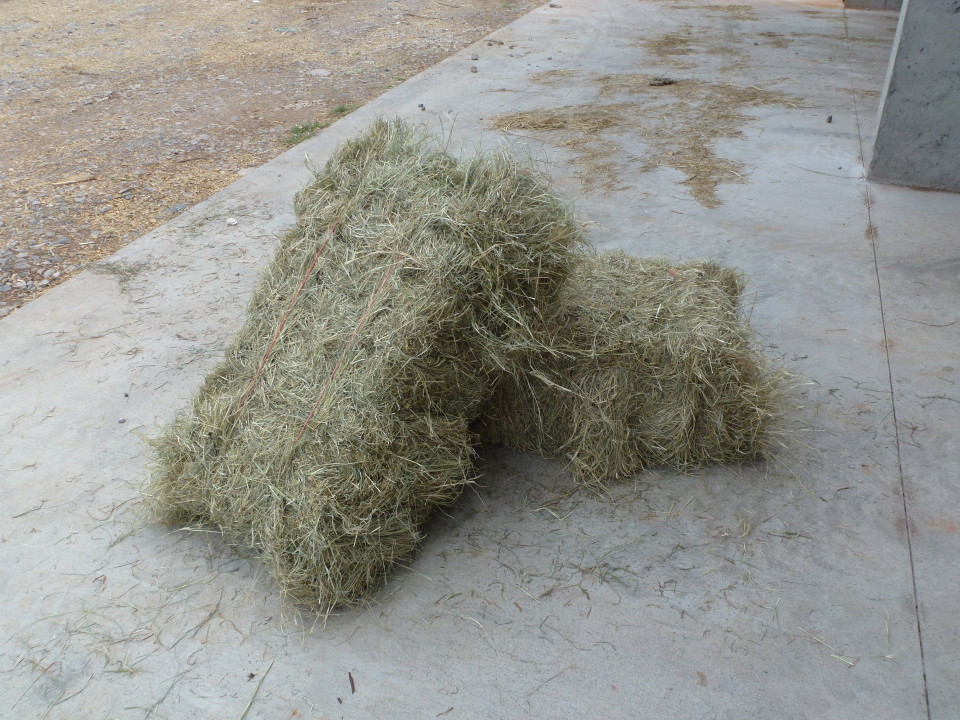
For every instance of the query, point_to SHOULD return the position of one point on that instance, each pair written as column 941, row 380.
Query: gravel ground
column 117, row 114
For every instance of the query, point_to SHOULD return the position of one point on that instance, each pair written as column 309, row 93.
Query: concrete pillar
column 918, row 132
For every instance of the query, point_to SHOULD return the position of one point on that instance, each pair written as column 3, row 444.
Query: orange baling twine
column 283, row 321
column 353, row 337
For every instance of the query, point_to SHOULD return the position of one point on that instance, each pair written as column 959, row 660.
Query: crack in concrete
column 871, row 233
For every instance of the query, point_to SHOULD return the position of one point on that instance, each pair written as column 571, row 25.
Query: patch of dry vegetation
column 339, row 419
column 680, row 121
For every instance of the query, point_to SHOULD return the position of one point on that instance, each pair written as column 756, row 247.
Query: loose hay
column 650, row 364
column 679, row 122
column 584, row 119
column 339, row 417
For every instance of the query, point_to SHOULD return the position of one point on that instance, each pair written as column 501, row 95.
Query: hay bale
column 340, row 415
column 650, row 364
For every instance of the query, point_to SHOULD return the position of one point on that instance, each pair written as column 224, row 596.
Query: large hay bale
column 340, row 415
column 650, row 364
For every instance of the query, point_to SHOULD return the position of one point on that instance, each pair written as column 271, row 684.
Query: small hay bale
column 340, row 415
column 650, row 364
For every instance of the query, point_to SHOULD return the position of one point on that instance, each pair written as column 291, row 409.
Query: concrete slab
column 788, row 591
column 918, row 276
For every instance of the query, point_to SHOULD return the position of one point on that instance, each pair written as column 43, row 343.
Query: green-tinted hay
column 423, row 299
column 651, row 364
column 339, row 417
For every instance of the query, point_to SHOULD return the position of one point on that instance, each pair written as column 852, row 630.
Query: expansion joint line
column 872, row 235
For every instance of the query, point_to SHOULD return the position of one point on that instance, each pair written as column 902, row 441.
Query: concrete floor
column 821, row 587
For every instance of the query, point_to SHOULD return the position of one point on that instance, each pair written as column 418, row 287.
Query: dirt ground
column 118, row 114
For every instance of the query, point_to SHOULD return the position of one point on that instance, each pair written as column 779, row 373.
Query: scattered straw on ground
column 675, row 43
column 582, row 119
column 735, row 12
column 549, row 77
column 684, row 48
column 680, row 120
column 774, row 38
column 692, row 116
column 581, row 128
